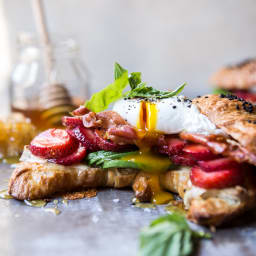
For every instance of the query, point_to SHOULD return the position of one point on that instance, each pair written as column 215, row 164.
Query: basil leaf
column 134, row 79
column 118, row 71
column 113, row 92
column 168, row 235
column 120, row 164
column 220, row 91
column 101, row 100
column 109, row 159
column 143, row 91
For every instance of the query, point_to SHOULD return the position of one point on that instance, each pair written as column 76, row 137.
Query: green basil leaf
column 102, row 99
column 143, row 91
column 220, row 91
column 134, row 79
column 167, row 235
column 118, row 71
column 109, row 159
column 120, row 164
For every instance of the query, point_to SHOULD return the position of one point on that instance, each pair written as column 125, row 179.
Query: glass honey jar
column 46, row 102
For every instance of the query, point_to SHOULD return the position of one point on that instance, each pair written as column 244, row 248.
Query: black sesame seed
column 249, row 121
column 237, row 107
column 198, row 96
column 206, row 97
column 179, row 100
column 189, row 106
column 254, row 122
column 173, row 107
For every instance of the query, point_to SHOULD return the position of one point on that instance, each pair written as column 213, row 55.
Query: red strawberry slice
column 71, row 122
column 171, row 146
column 199, row 152
column 93, row 140
column 248, row 96
column 175, row 145
column 53, row 143
column 217, row 164
column 86, row 137
column 183, row 159
column 217, row 179
column 74, row 158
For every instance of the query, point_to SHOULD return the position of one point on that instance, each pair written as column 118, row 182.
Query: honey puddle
column 9, row 160
column 176, row 207
column 144, row 205
column 55, row 211
column 5, row 195
column 65, row 201
column 35, row 203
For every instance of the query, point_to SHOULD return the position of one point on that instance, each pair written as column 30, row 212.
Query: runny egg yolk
column 151, row 163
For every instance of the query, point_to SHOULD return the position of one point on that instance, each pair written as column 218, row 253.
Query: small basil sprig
column 221, row 91
column 168, row 235
column 109, row 159
column 144, row 91
column 113, row 92
column 134, row 79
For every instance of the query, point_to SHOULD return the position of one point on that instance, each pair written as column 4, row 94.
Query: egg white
column 174, row 115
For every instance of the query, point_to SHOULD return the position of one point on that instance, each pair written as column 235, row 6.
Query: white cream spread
column 27, row 156
column 174, row 115
column 191, row 193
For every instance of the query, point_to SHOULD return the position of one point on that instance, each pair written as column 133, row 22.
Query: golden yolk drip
column 159, row 195
column 141, row 126
column 146, row 126
column 151, row 163
column 151, row 114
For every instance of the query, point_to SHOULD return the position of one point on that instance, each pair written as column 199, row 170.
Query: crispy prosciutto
column 222, row 145
column 100, row 131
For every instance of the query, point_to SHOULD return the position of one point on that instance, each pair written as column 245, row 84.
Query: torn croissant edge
column 213, row 207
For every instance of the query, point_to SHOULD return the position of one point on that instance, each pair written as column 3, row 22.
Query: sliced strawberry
column 199, row 152
column 175, row 145
column 74, row 158
column 93, row 140
column 53, row 143
column 183, row 159
column 86, row 137
column 248, row 96
column 71, row 122
column 217, row 164
column 171, row 146
column 217, row 179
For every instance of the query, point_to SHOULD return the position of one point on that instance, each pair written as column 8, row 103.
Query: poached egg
column 167, row 116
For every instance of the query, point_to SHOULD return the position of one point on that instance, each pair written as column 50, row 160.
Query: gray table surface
column 100, row 226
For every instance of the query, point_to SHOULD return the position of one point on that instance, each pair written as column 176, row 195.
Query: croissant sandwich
column 157, row 143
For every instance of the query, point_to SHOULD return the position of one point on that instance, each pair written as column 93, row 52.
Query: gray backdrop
column 170, row 41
